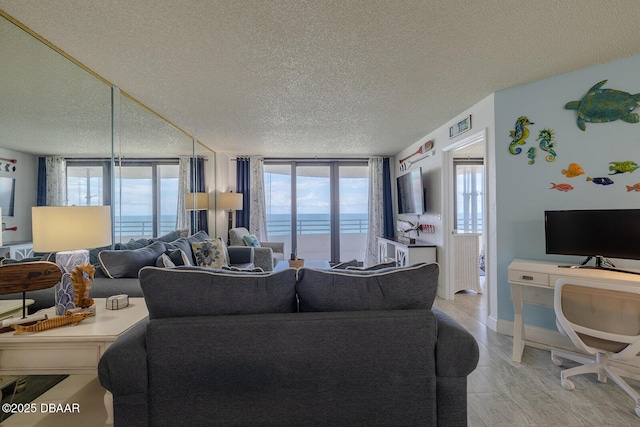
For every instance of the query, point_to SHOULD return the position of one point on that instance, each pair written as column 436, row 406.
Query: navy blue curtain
column 243, row 186
column 198, row 218
column 41, row 193
column 387, row 210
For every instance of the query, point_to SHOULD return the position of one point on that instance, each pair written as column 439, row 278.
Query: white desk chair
column 602, row 320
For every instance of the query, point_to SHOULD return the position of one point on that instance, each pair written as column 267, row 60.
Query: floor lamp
column 230, row 202
column 69, row 231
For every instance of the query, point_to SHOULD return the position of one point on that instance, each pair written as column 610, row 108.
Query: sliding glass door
column 318, row 209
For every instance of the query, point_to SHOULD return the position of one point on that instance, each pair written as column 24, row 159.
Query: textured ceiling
column 322, row 78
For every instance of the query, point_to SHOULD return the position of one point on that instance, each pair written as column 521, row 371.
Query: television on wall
column 7, row 195
column 595, row 233
column 411, row 193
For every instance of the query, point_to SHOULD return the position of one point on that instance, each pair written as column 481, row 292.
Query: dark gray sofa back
column 196, row 291
column 304, row 369
column 387, row 289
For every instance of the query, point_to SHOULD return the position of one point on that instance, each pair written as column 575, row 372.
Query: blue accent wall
column 523, row 191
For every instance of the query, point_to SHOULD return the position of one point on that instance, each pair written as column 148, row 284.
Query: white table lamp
column 69, row 231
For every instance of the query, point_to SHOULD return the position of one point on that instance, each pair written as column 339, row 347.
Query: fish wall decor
column 622, row 167
column 605, row 105
column 561, row 187
column 601, row 180
column 547, row 143
column 519, row 135
column 573, row 170
column 634, row 187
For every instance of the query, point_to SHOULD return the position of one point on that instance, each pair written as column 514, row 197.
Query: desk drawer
column 541, row 279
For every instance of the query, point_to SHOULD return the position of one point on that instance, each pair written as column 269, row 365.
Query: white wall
column 482, row 119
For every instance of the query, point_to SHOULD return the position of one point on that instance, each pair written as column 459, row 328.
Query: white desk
column 532, row 282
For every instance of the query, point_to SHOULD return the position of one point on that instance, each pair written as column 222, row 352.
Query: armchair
column 266, row 256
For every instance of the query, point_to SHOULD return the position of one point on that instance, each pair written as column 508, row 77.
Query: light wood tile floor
column 500, row 392
column 504, row 393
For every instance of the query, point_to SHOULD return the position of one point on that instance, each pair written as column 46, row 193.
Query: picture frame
column 461, row 127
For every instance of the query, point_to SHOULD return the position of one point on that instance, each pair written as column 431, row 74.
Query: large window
column 318, row 209
column 145, row 194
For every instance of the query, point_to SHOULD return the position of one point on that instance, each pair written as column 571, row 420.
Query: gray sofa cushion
column 395, row 288
column 127, row 263
column 194, row 291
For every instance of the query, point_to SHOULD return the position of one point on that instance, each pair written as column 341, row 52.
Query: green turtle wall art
column 605, row 105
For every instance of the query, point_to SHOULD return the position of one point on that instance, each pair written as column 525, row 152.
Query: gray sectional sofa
column 291, row 348
column 117, row 269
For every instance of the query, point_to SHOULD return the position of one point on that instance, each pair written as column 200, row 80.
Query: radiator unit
column 467, row 261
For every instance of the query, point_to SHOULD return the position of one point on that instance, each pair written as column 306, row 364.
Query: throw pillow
column 127, row 262
column 252, row 241
column 225, row 251
column 209, row 254
column 164, row 261
column 173, row 258
column 194, row 291
column 395, row 288
column 184, row 243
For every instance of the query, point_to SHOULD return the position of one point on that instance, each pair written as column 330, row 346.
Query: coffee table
column 70, row 349
column 322, row 265
column 10, row 309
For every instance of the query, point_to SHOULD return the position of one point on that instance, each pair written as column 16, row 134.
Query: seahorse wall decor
column 519, row 135
column 55, row 322
column 547, row 143
column 82, row 276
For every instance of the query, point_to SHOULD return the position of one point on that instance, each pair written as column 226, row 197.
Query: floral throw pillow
column 209, row 254
column 251, row 241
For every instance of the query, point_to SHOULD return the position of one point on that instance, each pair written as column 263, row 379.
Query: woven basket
column 296, row 263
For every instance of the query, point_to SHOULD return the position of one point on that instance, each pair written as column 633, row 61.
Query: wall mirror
column 116, row 151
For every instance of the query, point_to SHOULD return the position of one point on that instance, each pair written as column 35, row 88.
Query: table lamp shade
column 230, row 201
column 67, row 228
column 196, row 201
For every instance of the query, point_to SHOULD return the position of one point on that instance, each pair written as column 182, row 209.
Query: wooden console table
column 405, row 254
column 533, row 282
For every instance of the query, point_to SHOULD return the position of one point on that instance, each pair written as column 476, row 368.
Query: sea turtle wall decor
column 605, row 105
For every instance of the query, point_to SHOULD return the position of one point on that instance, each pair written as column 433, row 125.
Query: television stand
column 601, row 263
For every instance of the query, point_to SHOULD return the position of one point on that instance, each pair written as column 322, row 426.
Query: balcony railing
column 281, row 227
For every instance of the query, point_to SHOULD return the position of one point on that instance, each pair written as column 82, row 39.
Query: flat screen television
column 597, row 233
column 7, row 195
column 410, row 193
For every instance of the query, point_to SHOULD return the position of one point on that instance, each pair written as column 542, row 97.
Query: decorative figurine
column 81, row 276
column 605, row 105
column 66, row 319
column 573, row 170
column 561, row 187
column 547, row 143
column 622, row 167
column 519, row 135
